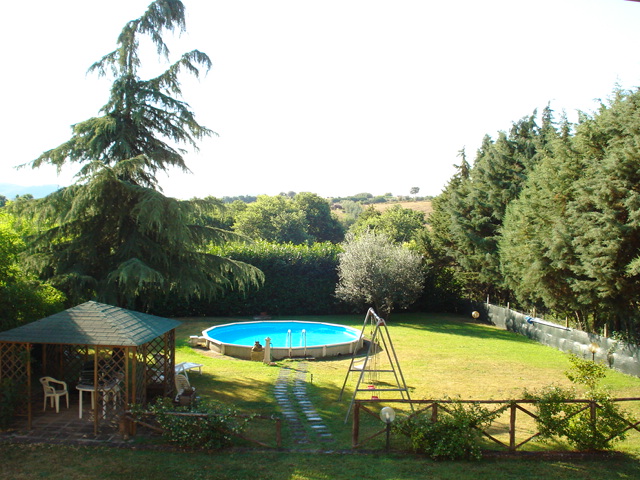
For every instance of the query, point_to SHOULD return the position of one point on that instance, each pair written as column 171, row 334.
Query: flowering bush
column 204, row 424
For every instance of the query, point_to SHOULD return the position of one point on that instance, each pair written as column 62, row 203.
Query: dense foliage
column 547, row 217
column 305, row 218
column 299, row 280
column 397, row 223
column 23, row 298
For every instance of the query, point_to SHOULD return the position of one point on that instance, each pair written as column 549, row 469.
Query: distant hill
column 10, row 190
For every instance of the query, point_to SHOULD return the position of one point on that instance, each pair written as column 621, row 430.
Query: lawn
column 20, row 462
column 441, row 356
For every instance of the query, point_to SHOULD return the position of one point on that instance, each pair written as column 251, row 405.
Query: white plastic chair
column 54, row 389
column 182, row 382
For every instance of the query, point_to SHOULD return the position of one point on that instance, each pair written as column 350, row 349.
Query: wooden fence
column 512, row 407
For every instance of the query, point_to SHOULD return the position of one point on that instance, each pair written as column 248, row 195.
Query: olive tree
column 374, row 271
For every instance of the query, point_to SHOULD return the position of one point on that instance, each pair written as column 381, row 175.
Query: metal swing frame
column 380, row 332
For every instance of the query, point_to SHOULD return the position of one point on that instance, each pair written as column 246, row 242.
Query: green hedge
column 299, row 280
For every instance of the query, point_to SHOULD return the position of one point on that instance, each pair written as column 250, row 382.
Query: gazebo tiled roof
column 92, row 323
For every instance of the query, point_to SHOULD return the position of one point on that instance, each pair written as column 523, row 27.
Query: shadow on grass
column 255, row 394
column 241, row 465
column 458, row 326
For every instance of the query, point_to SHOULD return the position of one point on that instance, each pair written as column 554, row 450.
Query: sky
column 331, row 97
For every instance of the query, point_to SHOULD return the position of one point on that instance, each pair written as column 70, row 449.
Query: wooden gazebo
column 118, row 356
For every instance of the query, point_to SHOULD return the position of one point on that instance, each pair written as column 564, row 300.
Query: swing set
column 370, row 368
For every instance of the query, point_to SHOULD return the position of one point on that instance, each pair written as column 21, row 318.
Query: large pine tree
column 605, row 214
column 571, row 241
column 536, row 253
column 113, row 235
column 467, row 220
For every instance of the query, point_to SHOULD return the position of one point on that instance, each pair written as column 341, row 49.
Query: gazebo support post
column 45, row 356
column 131, row 380
column 29, row 396
column 96, row 420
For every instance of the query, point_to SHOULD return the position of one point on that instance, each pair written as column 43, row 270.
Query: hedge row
column 299, row 280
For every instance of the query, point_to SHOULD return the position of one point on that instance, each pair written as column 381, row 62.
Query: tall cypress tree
column 605, row 214
column 113, row 236
column 477, row 207
column 536, row 254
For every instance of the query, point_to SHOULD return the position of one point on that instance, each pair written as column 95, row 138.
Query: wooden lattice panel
column 14, row 361
column 112, row 365
column 14, row 368
column 75, row 357
column 139, row 377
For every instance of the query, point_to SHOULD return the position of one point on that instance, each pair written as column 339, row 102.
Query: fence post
column 434, row 413
column 512, row 428
column 279, row 432
column 592, row 408
column 355, row 432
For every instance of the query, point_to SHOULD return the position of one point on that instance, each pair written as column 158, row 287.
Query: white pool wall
column 278, row 353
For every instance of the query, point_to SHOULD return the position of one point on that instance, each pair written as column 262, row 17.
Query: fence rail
column 513, row 407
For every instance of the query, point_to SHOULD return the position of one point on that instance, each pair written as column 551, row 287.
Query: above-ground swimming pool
column 288, row 338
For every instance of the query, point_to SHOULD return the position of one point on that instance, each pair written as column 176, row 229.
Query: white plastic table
column 110, row 389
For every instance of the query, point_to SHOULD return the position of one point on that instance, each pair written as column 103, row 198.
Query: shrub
column 558, row 416
column 214, row 430
column 455, row 435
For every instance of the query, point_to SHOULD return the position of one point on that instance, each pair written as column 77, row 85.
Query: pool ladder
column 303, row 341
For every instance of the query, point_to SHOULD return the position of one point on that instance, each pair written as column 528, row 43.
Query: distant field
column 422, row 206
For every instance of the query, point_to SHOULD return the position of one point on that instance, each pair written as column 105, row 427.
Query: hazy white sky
column 333, row 97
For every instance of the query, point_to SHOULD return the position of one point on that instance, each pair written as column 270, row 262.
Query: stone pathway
column 290, row 391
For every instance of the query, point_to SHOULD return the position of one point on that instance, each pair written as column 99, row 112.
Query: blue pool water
column 316, row 333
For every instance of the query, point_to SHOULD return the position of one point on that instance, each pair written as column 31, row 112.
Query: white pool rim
column 278, row 353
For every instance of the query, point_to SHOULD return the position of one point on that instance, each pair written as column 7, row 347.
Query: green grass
column 441, row 356
column 54, row 462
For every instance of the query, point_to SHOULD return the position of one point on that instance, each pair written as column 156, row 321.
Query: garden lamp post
column 388, row 415
column 593, row 348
